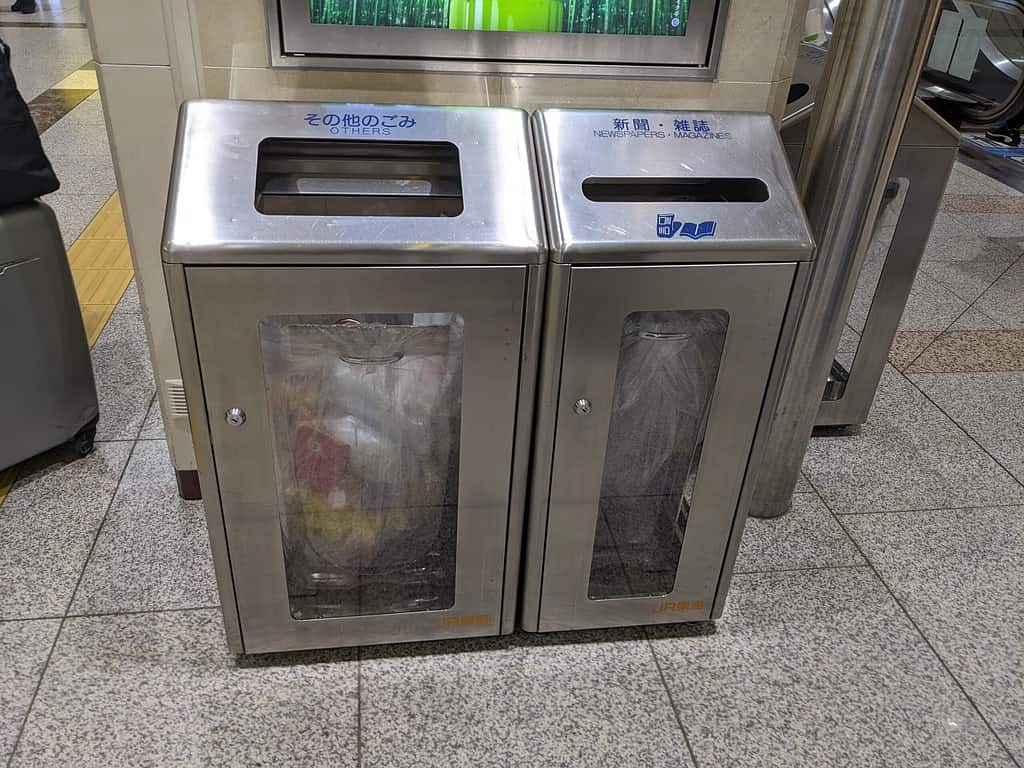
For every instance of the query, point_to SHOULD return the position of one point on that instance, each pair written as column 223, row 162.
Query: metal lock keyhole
column 235, row 417
column 582, row 407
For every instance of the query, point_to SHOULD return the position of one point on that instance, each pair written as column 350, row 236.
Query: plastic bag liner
column 668, row 366
column 365, row 413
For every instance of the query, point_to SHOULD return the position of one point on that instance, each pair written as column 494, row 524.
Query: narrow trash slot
column 667, row 190
column 341, row 177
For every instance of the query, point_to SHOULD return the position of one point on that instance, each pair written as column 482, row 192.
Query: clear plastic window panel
column 668, row 366
column 365, row 412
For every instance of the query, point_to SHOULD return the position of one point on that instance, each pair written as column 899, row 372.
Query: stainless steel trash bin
column 356, row 296
column 676, row 246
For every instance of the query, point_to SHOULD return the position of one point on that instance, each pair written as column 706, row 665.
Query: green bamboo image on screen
column 607, row 17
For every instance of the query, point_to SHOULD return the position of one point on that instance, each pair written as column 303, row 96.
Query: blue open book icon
column 697, row 231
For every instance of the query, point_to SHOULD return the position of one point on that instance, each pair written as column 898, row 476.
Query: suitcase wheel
column 83, row 442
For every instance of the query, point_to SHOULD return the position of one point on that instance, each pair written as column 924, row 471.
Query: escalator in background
column 974, row 75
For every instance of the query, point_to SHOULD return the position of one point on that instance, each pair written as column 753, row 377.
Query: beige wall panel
column 141, row 120
column 791, row 47
column 323, row 85
column 535, row 92
column 232, row 38
column 128, row 31
column 759, row 36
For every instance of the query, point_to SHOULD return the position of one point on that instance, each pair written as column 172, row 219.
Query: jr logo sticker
column 669, row 227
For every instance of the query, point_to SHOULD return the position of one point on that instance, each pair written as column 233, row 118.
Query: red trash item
column 319, row 461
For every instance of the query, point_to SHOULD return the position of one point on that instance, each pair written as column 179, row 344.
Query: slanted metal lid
column 221, row 211
column 689, row 186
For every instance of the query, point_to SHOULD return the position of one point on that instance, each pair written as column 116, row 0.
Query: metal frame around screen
column 296, row 42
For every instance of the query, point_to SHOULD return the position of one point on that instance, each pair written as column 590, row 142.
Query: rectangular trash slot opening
column 341, row 177
column 674, row 190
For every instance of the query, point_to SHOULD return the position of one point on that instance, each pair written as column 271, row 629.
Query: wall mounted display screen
column 602, row 17
column 605, row 37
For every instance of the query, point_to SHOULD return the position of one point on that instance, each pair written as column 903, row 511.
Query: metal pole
column 874, row 63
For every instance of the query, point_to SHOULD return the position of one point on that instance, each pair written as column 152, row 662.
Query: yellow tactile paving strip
column 101, row 266
column 80, row 79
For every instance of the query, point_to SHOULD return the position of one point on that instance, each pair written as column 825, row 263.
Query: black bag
column 25, row 172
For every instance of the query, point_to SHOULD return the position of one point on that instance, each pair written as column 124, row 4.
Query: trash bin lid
column 688, row 186
column 259, row 182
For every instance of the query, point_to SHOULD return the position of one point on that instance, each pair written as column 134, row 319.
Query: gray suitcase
column 47, row 391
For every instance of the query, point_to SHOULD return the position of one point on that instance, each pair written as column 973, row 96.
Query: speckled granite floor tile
column 819, row 668
column 974, row 320
column 805, row 537
column 68, row 139
column 1004, row 301
column 953, row 240
column 908, row 456
column 58, row 12
column 983, row 204
column 982, row 182
column 129, row 302
column 74, row 212
column 90, row 174
column 42, row 57
column 24, row 646
column 849, row 340
column 803, row 485
column 960, row 575
column 964, row 180
column 867, row 281
column 47, row 526
column 161, row 689
column 1008, row 227
column 907, row 345
column 89, row 112
column 944, row 228
column 930, row 307
column 593, row 699
column 989, row 407
column 153, row 426
column 152, row 552
column 124, row 377
column 973, row 352
column 968, row 279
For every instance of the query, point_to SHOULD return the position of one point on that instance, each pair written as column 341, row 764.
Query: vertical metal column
column 874, row 63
